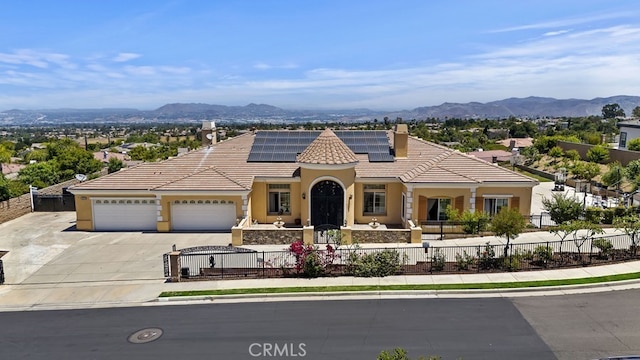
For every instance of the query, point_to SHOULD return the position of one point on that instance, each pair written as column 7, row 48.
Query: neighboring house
column 516, row 142
column 629, row 130
column 340, row 178
column 492, row 156
column 10, row 171
column 105, row 156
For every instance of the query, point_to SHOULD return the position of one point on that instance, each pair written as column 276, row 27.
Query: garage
column 124, row 214
column 203, row 215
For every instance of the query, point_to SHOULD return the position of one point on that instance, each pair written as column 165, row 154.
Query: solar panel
column 284, row 146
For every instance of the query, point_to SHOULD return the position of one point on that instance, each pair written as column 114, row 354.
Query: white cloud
column 124, row 57
column 569, row 22
column 556, row 33
column 265, row 66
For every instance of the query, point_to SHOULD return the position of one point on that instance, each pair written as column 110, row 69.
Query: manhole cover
column 145, row 335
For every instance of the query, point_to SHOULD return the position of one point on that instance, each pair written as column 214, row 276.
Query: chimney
column 209, row 133
column 400, row 140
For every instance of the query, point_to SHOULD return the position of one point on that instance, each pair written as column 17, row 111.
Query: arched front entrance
column 327, row 203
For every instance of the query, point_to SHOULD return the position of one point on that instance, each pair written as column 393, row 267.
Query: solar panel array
column 284, row 146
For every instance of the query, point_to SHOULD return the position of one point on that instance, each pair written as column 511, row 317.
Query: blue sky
column 307, row 54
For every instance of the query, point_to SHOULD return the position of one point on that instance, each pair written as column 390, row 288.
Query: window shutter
column 479, row 203
column 459, row 204
column 515, row 202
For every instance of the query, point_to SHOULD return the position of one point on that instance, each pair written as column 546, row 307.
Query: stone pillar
column 174, row 265
column 307, row 235
column 416, row 234
column 345, row 235
column 236, row 236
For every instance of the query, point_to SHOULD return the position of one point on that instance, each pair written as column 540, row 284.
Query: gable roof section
column 327, row 149
column 210, row 179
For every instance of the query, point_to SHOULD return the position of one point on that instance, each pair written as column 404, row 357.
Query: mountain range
column 530, row 107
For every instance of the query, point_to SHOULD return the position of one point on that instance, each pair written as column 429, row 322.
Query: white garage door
column 203, row 215
column 124, row 215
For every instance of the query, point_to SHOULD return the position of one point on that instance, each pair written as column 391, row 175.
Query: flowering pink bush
column 311, row 261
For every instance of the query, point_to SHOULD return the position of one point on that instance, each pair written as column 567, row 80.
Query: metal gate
column 327, row 234
column 1, row 272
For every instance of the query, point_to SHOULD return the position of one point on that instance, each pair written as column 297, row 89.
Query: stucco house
column 629, row 130
column 302, row 179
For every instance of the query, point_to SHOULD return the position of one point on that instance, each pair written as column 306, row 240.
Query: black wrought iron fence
column 451, row 228
column 572, row 252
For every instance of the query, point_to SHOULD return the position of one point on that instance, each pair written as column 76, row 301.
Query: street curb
column 549, row 290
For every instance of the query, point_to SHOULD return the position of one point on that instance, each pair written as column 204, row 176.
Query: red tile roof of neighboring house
column 11, row 168
column 488, row 155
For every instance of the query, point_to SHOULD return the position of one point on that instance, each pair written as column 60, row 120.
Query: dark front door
column 327, row 201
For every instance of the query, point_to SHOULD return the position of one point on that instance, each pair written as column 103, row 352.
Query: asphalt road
column 588, row 326
column 451, row 328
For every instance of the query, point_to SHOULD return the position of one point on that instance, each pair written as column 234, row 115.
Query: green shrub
column 598, row 154
column 437, row 260
column 464, row 261
column 593, row 215
column 607, row 216
column 382, row 263
column 511, row 263
column 487, row 257
column 313, row 265
column 604, row 246
column 543, row 255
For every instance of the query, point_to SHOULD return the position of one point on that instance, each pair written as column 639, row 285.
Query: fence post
column 222, row 267
column 263, row 260
column 591, row 252
column 540, row 220
column 479, row 254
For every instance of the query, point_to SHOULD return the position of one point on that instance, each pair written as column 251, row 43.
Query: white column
column 472, row 201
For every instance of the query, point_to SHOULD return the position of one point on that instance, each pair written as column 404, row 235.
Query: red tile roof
column 224, row 167
column 327, row 149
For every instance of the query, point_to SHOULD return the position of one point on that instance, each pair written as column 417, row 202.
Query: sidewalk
column 51, row 267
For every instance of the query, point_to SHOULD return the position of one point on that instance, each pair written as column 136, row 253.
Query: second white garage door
column 203, row 215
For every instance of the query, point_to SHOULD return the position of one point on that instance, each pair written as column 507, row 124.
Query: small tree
column 556, row 152
column 636, row 111
column 562, row 208
column 583, row 231
column 472, row 222
column 572, row 155
column 632, row 173
column 614, row 176
column 585, row 170
column 598, row 154
column 508, row 223
column 114, row 165
column 630, row 225
column 564, row 230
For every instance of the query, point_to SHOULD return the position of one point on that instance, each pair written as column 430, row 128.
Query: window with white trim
column 279, row 199
column 493, row 206
column 437, row 209
column 375, row 199
column 623, row 140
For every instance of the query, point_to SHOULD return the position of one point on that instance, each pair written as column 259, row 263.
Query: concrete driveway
column 48, row 261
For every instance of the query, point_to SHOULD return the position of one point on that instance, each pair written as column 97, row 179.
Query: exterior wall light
column 304, row 196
